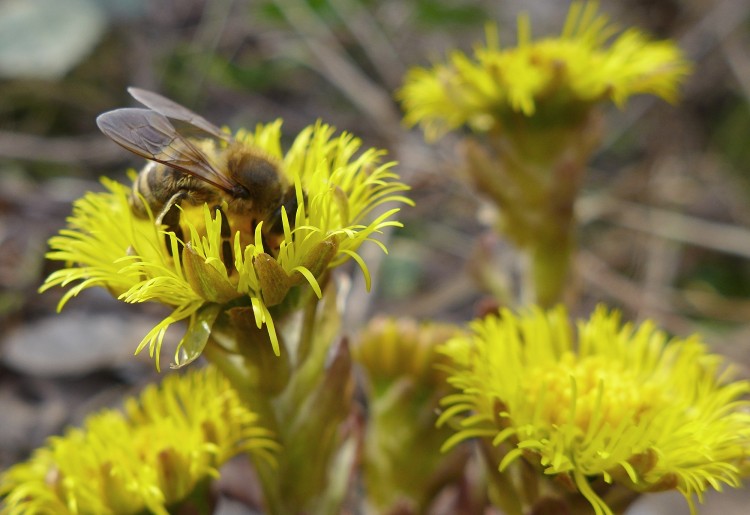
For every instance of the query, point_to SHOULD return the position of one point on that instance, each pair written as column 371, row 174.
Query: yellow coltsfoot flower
column 166, row 446
column 404, row 469
column 392, row 349
column 547, row 81
column 613, row 406
column 222, row 261
column 534, row 113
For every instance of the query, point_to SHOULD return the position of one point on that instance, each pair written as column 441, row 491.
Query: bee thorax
column 256, row 176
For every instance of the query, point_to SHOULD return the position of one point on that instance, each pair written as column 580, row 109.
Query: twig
column 85, row 150
column 373, row 40
column 339, row 68
column 668, row 224
column 598, row 274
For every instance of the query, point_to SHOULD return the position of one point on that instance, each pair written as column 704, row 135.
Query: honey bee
column 240, row 181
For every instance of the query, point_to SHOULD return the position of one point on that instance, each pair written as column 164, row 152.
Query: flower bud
column 205, row 279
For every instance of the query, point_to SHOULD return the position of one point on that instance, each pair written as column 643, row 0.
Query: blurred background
column 664, row 218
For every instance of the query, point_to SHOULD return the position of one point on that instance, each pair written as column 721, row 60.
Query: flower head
column 547, row 79
column 404, row 385
column 336, row 188
column 618, row 402
column 168, row 441
column 391, row 349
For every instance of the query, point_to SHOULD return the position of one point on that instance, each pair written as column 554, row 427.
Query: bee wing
column 151, row 135
column 172, row 109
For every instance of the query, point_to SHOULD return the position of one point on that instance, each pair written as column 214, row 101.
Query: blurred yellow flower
column 390, row 349
column 620, row 403
column 404, row 384
column 166, row 444
column 552, row 79
column 337, row 185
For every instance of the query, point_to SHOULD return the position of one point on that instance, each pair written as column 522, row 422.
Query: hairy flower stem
column 308, row 326
column 533, row 175
column 237, row 375
column 550, row 269
column 303, row 396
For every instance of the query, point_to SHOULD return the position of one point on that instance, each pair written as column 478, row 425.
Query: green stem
column 307, row 330
column 233, row 369
column 550, row 269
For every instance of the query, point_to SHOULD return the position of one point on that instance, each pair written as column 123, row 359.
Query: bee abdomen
column 154, row 186
column 144, row 190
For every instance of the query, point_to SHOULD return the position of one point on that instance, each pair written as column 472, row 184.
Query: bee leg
column 226, row 240
column 289, row 203
column 270, row 246
column 274, row 224
column 170, row 217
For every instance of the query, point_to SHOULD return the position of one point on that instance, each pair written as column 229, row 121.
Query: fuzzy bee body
column 183, row 171
column 156, row 184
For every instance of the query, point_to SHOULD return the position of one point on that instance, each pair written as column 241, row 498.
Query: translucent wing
column 175, row 111
column 151, row 135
